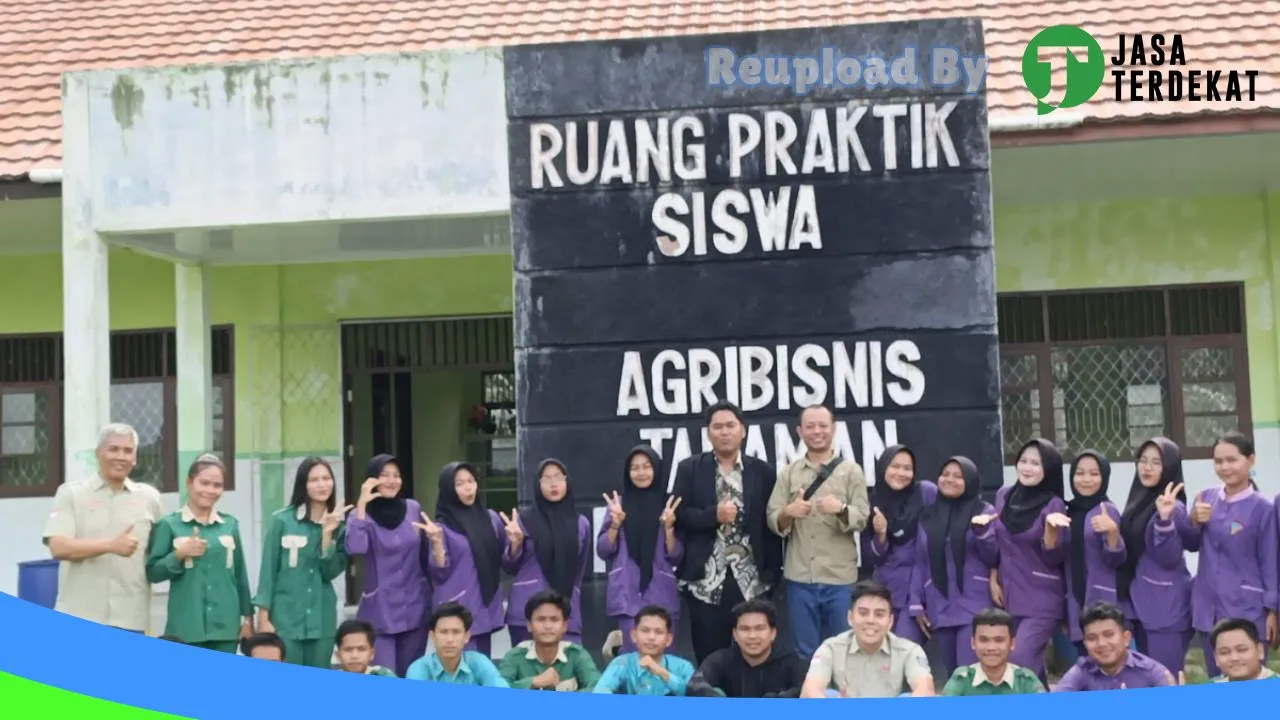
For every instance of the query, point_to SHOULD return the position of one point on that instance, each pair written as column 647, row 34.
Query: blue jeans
column 817, row 612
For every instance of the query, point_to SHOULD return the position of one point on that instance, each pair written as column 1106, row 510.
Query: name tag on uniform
column 229, row 543
column 293, row 543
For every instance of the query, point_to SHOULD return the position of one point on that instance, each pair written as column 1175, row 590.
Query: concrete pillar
column 195, row 363
column 86, row 322
column 86, row 342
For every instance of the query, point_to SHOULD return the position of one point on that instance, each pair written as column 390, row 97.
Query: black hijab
column 475, row 523
column 1078, row 509
column 1141, row 505
column 947, row 521
column 901, row 508
column 1023, row 504
column 553, row 528
column 386, row 512
column 643, row 507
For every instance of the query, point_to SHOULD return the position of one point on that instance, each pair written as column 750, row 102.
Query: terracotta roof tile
column 44, row 38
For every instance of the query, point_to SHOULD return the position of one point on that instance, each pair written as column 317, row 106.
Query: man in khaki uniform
column 99, row 528
column 819, row 505
column 868, row 661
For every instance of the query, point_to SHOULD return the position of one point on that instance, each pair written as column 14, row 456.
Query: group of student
column 732, row 534
column 868, row 661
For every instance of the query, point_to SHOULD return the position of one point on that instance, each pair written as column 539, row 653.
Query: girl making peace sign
column 553, row 552
column 1154, row 584
column 640, row 543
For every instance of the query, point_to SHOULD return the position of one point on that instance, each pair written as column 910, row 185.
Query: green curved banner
column 26, row 700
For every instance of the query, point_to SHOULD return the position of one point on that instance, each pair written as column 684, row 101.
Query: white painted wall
column 290, row 141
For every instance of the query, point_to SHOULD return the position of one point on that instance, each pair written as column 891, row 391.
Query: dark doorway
column 443, row 364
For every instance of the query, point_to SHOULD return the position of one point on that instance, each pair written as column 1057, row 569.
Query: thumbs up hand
column 192, row 547
column 727, row 511
column 799, row 507
column 1201, row 511
column 880, row 524
column 124, row 544
column 1103, row 523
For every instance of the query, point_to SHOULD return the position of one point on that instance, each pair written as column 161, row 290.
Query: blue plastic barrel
column 38, row 582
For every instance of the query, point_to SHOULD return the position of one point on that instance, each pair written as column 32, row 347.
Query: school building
column 275, row 234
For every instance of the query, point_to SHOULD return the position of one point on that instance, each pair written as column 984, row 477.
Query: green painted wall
column 286, row 320
column 287, row 346
column 1158, row 242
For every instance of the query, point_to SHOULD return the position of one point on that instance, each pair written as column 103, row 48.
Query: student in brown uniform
column 99, row 529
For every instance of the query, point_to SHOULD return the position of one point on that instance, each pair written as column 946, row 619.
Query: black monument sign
column 679, row 241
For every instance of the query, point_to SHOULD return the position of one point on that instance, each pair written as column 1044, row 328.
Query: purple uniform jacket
column 457, row 581
column 894, row 565
column 622, row 596
column 1101, row 563
column 395, row 584
column 956, row 608
column 1139, row 671
column 1032, row 576
column 1237, row 572
column 529, row 580
column 1160, row 596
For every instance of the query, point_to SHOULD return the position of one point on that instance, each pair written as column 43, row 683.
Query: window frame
column 169, row 419
column 1173, row 346
column 172, row 474
column 1241, row 379
column 55, row 460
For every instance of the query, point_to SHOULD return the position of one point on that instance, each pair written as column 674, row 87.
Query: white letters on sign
column 782, row 217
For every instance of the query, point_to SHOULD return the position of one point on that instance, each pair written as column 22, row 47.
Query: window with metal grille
column 1109, row 369
column 30, row 415
column 143, row 394
column 144, row 372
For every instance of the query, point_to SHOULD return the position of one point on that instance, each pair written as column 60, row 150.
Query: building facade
column 311, row 257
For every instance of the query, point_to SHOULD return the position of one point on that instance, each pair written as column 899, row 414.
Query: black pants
column 711, row 626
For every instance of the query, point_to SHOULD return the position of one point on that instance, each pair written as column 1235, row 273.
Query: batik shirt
column 732, row 550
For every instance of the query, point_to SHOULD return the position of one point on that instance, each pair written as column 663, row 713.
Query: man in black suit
column 729, row 553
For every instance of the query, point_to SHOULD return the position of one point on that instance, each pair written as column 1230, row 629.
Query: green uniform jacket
column 209, row 595
column 970, row 681
column 573, row 664
column 295, row 583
